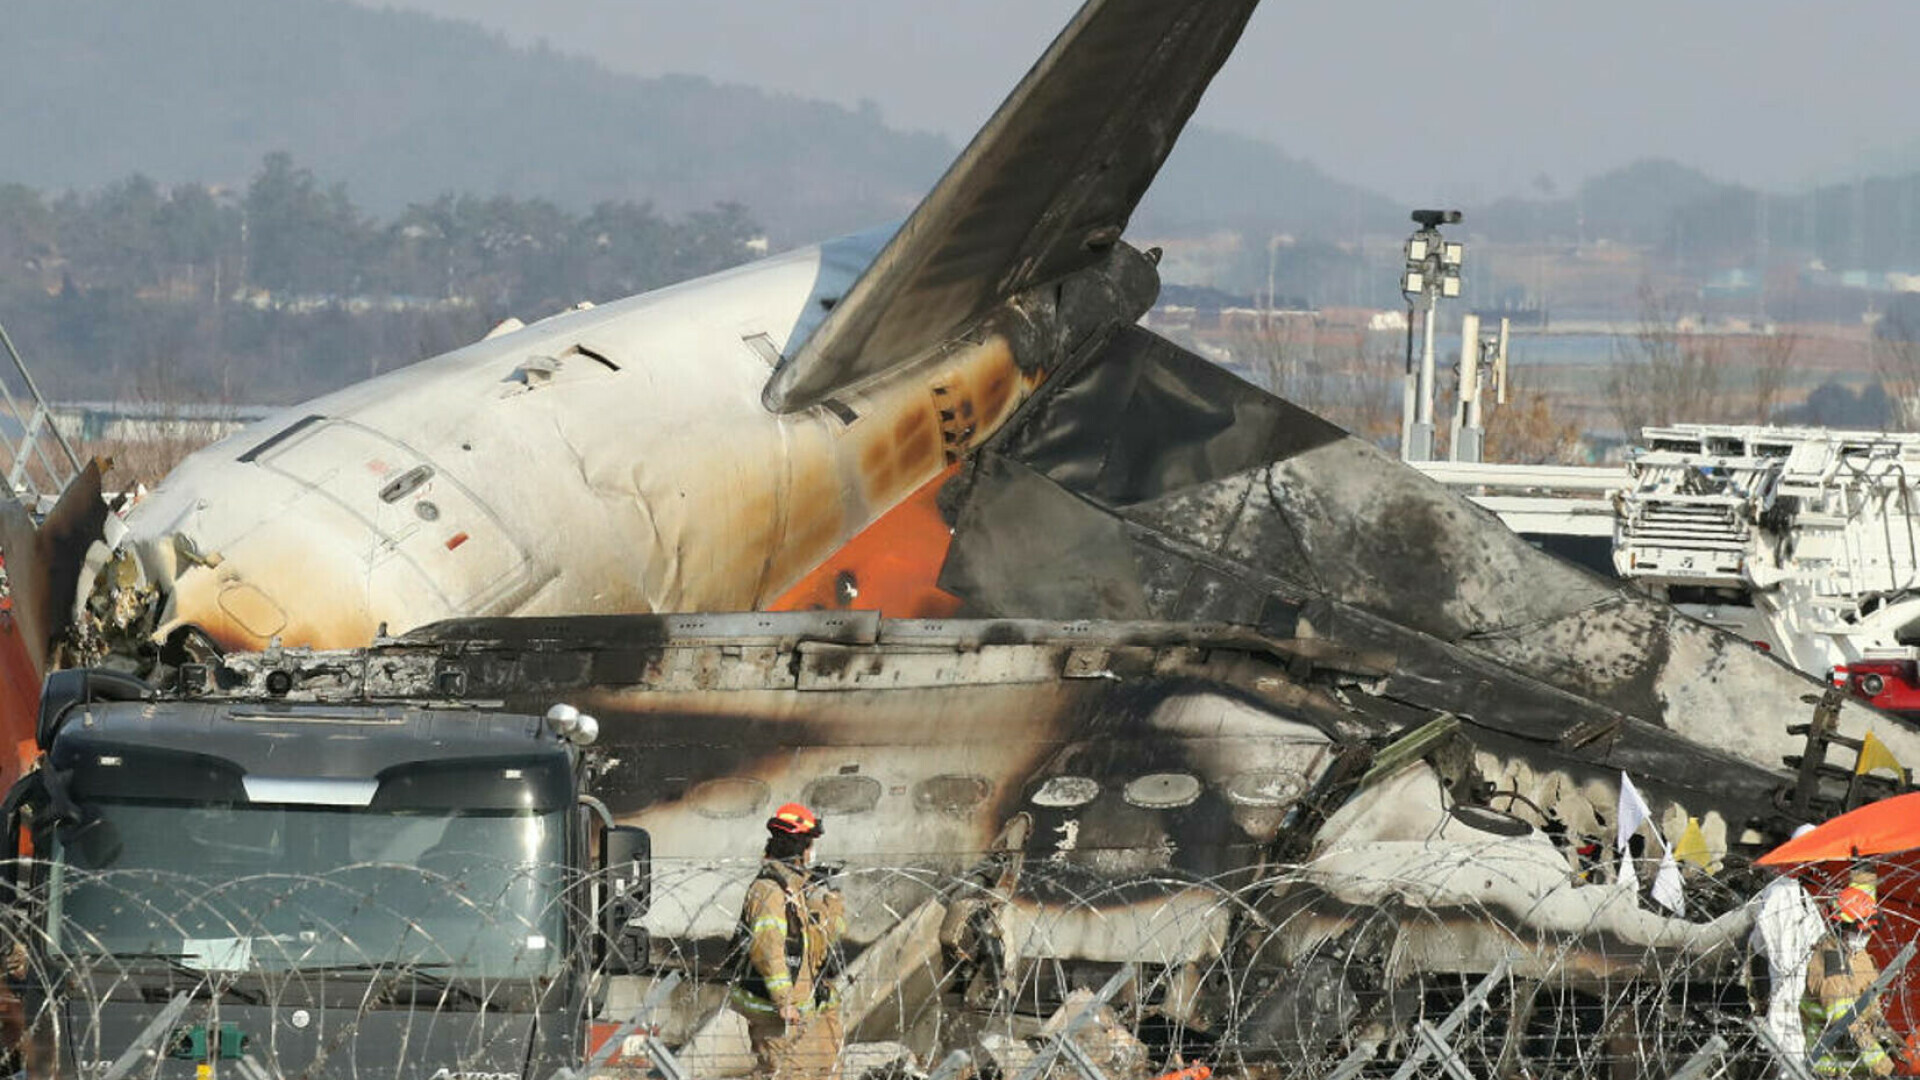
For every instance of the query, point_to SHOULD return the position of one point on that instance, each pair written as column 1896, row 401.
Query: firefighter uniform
column 790, row 936
column 1837, row 976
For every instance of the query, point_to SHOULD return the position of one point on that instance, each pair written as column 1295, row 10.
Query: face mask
column 808, row 858
column 1856, row 941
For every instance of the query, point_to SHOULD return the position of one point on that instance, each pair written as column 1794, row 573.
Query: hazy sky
column 1461, row 100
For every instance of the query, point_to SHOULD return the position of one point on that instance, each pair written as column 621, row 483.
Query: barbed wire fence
column 1009, row 969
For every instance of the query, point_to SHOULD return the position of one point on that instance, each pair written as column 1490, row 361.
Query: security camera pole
column 1432, row 271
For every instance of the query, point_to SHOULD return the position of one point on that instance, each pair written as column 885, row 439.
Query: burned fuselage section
column 1147, row 483
column 1021, row 806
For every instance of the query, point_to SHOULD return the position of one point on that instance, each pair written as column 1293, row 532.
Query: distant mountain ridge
column 1216, row 179
column 402, row 106
column 1636, row 203
column 1704, row 225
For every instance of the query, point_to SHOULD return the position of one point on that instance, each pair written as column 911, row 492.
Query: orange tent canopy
column 1880, row 828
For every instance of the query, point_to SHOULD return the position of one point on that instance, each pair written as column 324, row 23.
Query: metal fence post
column 155, row 1028
column 1438, row 1035
column 1063, row 1043
column 1697, row 1065
column 662, row 1060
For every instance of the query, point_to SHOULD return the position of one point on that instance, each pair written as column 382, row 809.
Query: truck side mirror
column 626, row 853
column 81, row 686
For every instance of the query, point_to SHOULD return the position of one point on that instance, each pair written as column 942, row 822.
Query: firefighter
column 790, row 930
column 1838, row 973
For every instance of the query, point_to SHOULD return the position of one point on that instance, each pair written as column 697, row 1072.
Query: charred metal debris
column 1495, row 750
column 1306, row 855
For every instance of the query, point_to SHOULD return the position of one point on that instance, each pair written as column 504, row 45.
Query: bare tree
column 159, row 418
column 1348, row 376
column 1772, row 364
column 1530, row 430
column 1896, row 359
column 1282, row 354
column 1365, row 386
column 1663, row 374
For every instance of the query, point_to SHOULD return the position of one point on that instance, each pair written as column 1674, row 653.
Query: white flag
column 1627, row 877
column 1631, row 814
column 1667, row 890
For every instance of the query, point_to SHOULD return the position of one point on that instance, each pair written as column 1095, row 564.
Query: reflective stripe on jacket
column 791, row 937
column 774, row 926
column 1836, row 977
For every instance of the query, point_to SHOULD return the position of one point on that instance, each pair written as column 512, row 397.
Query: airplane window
column 950, row 794
column 728, row 797
column 1164, row 791
column 1067, row 791
column 842, row 794
column 1264, row 787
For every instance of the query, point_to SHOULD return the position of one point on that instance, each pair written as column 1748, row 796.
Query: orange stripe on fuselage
column 893, row 565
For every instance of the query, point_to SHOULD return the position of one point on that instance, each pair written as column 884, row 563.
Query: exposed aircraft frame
column 1201, row 799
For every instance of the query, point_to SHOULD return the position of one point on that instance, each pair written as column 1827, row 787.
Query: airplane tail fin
column 1044, row 189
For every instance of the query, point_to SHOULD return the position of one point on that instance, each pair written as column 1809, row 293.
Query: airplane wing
column 1043, row 190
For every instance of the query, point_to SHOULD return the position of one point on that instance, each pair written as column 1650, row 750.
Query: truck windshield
column 266, row 887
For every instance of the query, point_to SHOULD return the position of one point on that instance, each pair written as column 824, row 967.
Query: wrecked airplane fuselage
column 698, row 448
column 1011, row 798
column 716, row 445
column 574, row 466
column 1335, row 745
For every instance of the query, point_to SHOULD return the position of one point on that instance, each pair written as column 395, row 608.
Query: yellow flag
column 1875, row 755
column 1692, row 846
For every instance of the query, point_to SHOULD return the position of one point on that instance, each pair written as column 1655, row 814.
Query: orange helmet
column 1856, row 905
column 794, row 819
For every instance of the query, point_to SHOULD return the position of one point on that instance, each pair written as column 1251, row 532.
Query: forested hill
column 1217, row 179
column 404, row 106
column 234, row 200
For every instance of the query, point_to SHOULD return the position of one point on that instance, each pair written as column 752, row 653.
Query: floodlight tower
column 1432, row 272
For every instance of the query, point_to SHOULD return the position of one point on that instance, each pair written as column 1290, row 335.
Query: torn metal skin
column 1148, row 483
column 1193, row 797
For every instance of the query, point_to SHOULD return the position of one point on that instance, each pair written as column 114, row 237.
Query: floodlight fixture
column 1432, row 274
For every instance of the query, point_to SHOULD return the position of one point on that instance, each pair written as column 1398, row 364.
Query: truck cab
column 338, row 889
